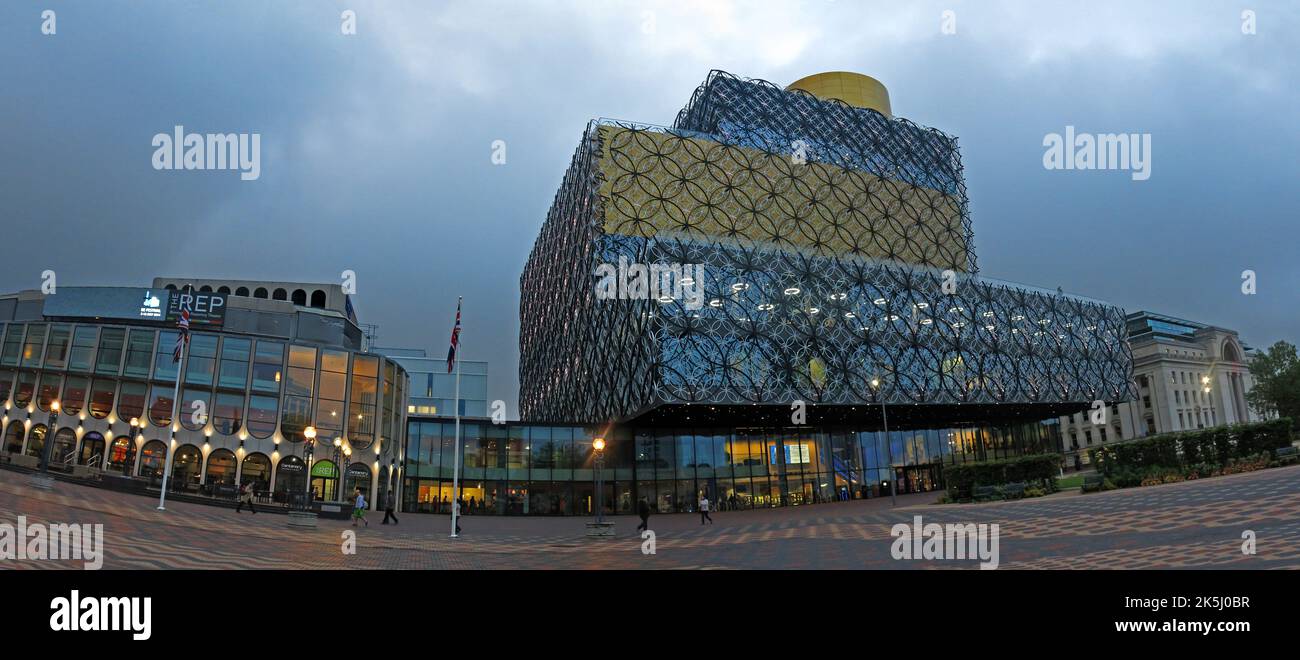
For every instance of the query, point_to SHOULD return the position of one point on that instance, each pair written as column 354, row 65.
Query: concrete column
column 108, row 451
column 374, row 487
column 135, row 465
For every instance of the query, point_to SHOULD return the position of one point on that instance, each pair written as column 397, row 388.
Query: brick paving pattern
column 1195, row 524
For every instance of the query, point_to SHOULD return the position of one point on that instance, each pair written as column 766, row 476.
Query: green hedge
column 1188, row 448
column 962, row 478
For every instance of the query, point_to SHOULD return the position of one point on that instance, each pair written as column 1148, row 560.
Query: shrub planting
column 1037, row 469
column 1190, row 452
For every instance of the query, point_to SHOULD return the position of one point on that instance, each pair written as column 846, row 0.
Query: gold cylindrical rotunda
column 854, row 89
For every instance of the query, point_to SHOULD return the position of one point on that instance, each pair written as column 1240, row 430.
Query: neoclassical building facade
column 1189, row 375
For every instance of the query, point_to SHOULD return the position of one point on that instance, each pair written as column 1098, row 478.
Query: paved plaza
column 1197, row 524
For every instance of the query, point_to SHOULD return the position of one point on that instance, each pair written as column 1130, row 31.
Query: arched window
column 256, row 471
column 280, row 294
column 101, row 397
column 260, row 292
column 186, row 466
column 324, row 480
column 36, row 440
column 92, row 449
column 26, row 387
column 48, row 391
column 223, row 290
column 221, row 468
column 130, row 402
column 262, row 416
column 1230, row 352
column 300, row 297
column 14, row 437
column 290, row 477
column 6, row 384
column 318, row 299
column 295, row 417
column 65, row 446
column 74, row 394
column 170, row 287
column 195, row 418
column 242, row 291
column 121, row 450
column 206, row 288
column 151, row 459
column 228, row 413
column 160, row 405
column 357, row 476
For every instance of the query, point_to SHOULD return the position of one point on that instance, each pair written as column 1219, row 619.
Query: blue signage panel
column 108, row 302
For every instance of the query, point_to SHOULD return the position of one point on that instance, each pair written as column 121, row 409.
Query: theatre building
column 822, row 332
column 268, row 363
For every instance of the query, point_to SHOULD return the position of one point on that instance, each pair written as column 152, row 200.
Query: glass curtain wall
column 550, row 470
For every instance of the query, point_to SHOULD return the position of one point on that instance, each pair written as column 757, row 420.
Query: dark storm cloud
column 376, row 147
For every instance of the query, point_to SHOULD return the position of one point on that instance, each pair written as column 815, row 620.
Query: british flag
column 184, row 338
column 455, row 339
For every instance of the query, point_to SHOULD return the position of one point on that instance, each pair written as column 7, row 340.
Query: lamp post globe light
column 308, row 451
column 893, row 489
column 338, row 472
column 599, row 446
column 51, row 431
column 129, row 462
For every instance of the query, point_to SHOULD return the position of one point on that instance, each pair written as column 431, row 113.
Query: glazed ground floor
column 517, row 469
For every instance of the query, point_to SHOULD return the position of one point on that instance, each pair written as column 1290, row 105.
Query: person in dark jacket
column 390, row 503
column 643, row 510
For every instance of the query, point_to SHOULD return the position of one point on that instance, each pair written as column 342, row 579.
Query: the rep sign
column 206, row 308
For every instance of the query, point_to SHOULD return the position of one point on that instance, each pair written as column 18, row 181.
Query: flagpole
column 176, row 406
column 455, row 475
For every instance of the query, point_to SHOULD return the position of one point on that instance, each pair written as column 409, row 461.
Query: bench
column 1014, row 490
column 981, row 493
column 1093, row 482
column 1287, row 455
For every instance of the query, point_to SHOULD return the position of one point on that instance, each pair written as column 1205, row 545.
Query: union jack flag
column 455, row 339
column 184, row 338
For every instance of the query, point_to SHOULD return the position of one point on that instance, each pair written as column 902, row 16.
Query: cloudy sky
column 376, row 147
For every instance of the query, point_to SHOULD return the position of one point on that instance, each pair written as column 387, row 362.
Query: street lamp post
column 884, row 415
column 1205, row 386
column 130, row 448
column 308, row 452
column 599, row 445
column 338, row 469
column 51, row 431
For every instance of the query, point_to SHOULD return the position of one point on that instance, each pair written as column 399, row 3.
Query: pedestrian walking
column 643, row 510
column 246, row 497
column 704, row 510
column 456, row 505
column 359, row 510
column 390, row 503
